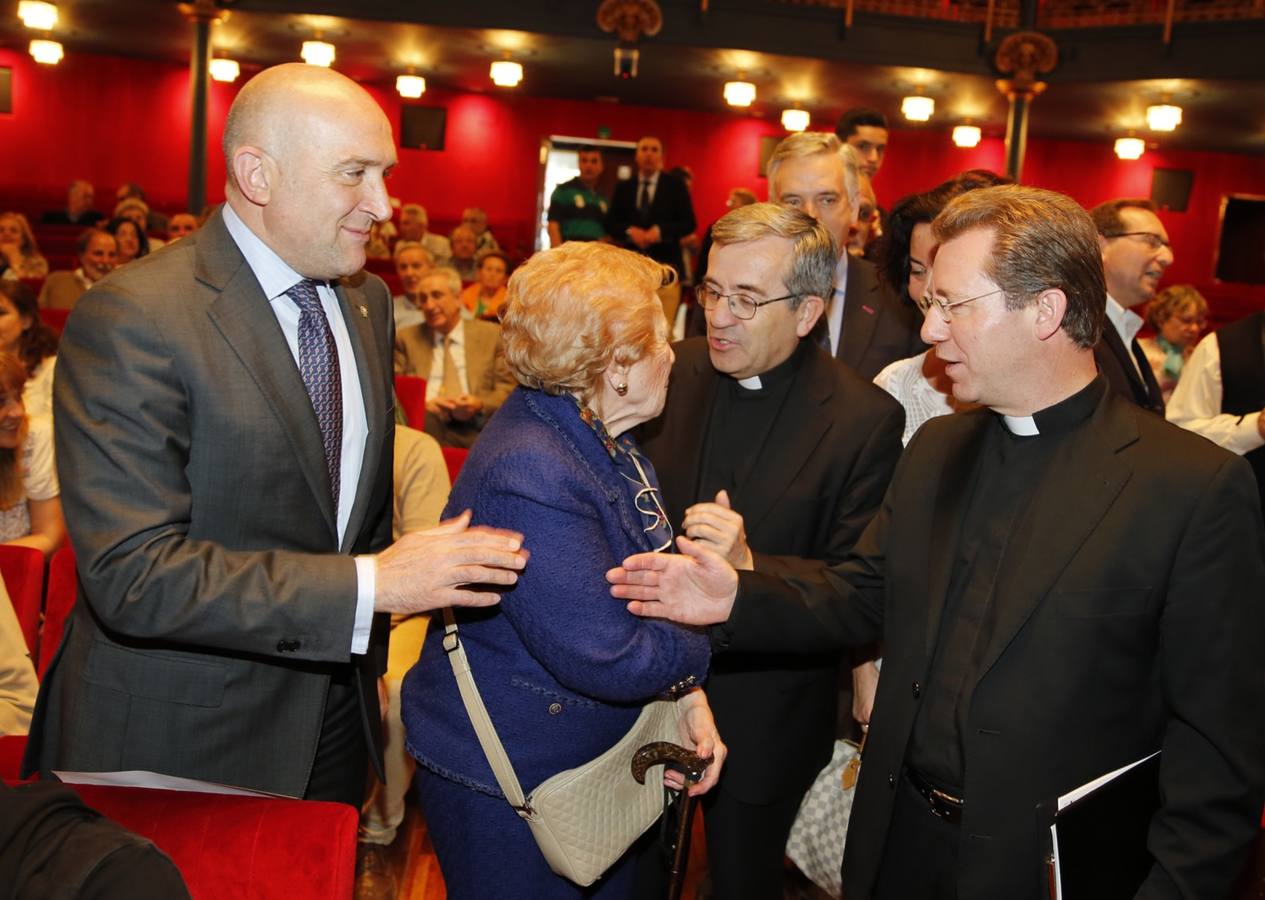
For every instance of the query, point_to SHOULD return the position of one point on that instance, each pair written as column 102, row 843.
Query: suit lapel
column 1087, row 475
column 860, row 315
column 362, row 331
column 242, row 314
column 1124, row 357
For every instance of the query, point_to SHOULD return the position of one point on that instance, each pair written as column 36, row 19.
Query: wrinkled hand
column 441, row 407
column 446, row 566
column 698, row 733
column 466, row 407
column 642, row 237
column 864, row 686
column 719, row 527
column 695, row 587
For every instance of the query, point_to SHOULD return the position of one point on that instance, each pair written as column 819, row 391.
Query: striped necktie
column 318, row 365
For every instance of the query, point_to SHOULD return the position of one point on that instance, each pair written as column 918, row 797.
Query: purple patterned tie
column 318, row 364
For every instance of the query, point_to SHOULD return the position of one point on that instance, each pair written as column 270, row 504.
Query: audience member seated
column 19, row 254
column 131, row 240
column 79, row 207
column 413, row 225
column 421, row 487
column 1179, row 315
column 461, row 359
column 138, row 212
column 464, row 244
column 485, row 297
column 477, row 220
column 411, row 263
column 25, row 335
column 182, row 224
column 30, row 498
column 98, row 253
column 562, row 670
column 18, row 684
column 381, row 234
column 155, row 221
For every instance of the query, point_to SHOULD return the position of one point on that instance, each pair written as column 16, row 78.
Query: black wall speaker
column 422, row 127
column 1170, row 188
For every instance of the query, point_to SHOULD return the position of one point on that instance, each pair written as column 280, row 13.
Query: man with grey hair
column 414, row 223
column 867, row 326
column 412, row 262
column 776, row 456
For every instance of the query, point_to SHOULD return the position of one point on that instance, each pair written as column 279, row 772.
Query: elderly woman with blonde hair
column 563, row 671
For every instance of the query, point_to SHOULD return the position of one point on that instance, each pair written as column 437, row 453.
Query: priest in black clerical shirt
column 1064, row 584
column 777, row 456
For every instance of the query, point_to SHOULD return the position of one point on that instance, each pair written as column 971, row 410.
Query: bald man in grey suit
column 224, row 434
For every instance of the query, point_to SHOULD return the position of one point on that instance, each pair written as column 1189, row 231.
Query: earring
column 621, row 388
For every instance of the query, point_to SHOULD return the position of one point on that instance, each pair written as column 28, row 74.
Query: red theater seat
column 410, row 393
column 58, row 601
column 23, row 571
column 455, row 458
column 55, row 319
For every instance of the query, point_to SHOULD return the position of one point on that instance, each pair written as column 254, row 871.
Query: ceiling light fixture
column 410, row 86
column 626, row 59
column 918, row 108
column 506, row 73
column 1130, row 147
column 223, row 69
column 966, row 135
column 318, row 53
column 740, row 92
column 38, row 15
column 795, row 119
column 49, row 53
column 1163, row 117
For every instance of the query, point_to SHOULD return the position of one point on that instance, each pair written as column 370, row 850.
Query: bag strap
column 482, row 722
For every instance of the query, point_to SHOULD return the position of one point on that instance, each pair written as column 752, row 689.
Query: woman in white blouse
column 24, row 334
column 30, row 497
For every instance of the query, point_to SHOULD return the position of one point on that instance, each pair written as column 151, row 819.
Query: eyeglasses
column 741, row 305
column 929, row 299
column 1150, row 238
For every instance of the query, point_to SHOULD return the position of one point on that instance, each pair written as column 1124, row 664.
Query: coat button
column 891, row 780
column 555, row 709
column 917, row 689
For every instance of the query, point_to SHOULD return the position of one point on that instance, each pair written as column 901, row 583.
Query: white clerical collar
column 1023, row 426
column 752, row 384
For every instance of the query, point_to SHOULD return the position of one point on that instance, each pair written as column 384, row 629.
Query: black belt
column 943, row 805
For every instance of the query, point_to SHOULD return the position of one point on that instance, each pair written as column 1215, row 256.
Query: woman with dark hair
column 132, row 241
column 24, row 334
column 30, row 497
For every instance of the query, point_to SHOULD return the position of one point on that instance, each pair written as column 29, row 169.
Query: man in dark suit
column 650, row 213
column 867, row 325
column 776, row 456
column 1135, row 253
column 1064, row 584
column 224, row 433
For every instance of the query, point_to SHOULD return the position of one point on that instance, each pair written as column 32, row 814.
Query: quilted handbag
column 583, row 819
column 816, row 841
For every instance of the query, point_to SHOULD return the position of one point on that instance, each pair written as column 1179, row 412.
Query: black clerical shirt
column 1007, row 475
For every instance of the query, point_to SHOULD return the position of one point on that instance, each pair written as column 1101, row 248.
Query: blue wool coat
column 562, row 666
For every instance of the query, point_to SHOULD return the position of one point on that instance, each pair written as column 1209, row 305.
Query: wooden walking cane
column 691, row 766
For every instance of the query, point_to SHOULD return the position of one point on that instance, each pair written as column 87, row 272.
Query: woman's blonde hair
column 572, row 311
column 12, row 380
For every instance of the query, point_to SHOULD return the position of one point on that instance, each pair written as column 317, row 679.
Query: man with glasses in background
column 1135, row 253
column 1063, row 584
column 775, row 455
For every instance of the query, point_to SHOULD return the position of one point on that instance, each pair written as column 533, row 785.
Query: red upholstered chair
column 455, row 457
column 23, row 571
column 55, row 319
column 58, row 601
column 410, row 393
column 227, row 846
column 12, row 746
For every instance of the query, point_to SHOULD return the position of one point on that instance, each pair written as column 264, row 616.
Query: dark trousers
column 921, row 852
column 746, row 843
column 342, row 757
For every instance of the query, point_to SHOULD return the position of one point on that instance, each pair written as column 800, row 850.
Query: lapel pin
column 868, row 309
column 364, row 311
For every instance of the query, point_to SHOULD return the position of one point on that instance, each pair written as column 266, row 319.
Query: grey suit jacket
column 215, row 600
column 486, row 372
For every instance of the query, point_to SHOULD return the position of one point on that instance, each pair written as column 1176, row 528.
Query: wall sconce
column 223, row 69
column 795, row 119
column 740, row 92
column 918, row 108
column 1163, row 117
column 966, row 136
column 48, row 53
column 318, row 53
column 506, row 73
column 38, row 15
column 626, row 59
column 1130, row 147
column 410, row 86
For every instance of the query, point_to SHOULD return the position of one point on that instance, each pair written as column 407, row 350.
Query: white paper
column 156, row 781
column 1089, row 787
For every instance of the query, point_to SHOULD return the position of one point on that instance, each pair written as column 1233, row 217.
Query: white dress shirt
column 276, row 277
column 834, row 304
column 1196, row 402
column 1127, row 324
column 457, row 341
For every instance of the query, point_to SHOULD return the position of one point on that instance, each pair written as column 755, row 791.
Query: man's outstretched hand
column 695, row 587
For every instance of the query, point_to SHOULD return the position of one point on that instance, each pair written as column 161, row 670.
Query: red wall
column 111, row 119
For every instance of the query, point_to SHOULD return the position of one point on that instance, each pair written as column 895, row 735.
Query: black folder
column 1098, row 835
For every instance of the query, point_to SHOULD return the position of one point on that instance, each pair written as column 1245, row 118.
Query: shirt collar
column 272, row 272
column 651, row 180
column 455, row 338
column 1062, row 416
column 1126, row 322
